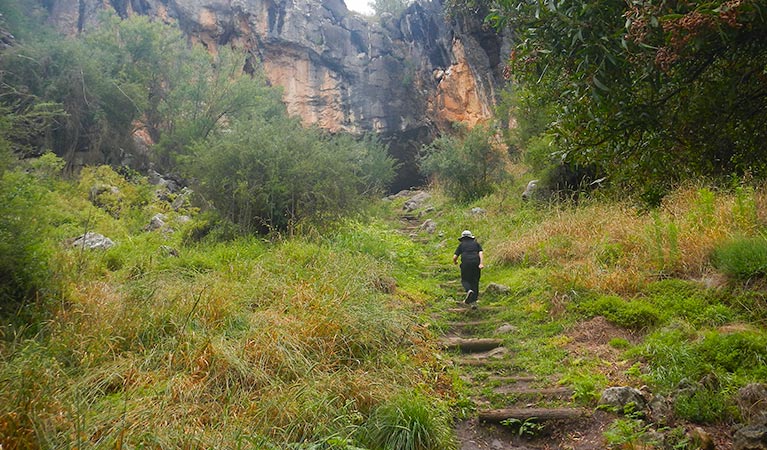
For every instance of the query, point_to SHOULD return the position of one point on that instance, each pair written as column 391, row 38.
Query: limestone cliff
column 406, row 78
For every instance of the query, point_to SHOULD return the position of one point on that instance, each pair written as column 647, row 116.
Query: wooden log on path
column 472, row 345
column 523, row 414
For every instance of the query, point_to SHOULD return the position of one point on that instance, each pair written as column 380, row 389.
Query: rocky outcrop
column 406, row 78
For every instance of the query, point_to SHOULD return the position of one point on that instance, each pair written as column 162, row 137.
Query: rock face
column 405, row 78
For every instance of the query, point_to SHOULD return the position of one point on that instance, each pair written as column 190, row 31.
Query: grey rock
column 530, row 190
column 477, row 211
column 620, row 397
column 182, row 199
column 506, row 329
column 416, row 201
column 93, row 241
column 660, row 408
column 752, row 437
column 429, row 226
column 495, row 288
column 752, row 402
column 156, row 222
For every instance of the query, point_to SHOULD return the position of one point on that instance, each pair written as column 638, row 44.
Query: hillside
column 182, row 335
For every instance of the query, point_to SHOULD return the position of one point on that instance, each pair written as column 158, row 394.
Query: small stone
column 156, row 222
column 93, row 241
column 429, row 226
column 620, row 397
column 495, row 288
column 506, row 329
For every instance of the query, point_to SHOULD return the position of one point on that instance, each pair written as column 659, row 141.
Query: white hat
column 466, row 234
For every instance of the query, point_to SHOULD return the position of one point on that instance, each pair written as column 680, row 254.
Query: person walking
column 470, row 252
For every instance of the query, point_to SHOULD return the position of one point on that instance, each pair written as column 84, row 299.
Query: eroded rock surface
column 405, row 78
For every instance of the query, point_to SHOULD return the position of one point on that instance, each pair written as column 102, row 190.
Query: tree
column 468, row 165
column 651, row 92
column 268, row 173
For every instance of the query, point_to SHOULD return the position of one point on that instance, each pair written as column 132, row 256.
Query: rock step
column 475, row 323
column 471, row 345
column 558, row 393
column 513, row 379
column 539, row 414
column 467, row 308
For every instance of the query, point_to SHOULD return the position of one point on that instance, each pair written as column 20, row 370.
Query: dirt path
column 509, row 409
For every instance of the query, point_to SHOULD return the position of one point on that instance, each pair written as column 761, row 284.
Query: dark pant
column 470, row 279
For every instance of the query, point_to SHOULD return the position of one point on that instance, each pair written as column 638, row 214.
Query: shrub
column 467, row 166
column 409, row 421
column 742, row 258
column 635, row 314
column 702, row 405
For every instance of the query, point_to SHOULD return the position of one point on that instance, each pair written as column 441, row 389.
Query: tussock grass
column 243, row 343
column 617, row 247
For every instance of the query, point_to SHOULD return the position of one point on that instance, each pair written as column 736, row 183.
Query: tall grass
column 245, row 343
column 618, row 247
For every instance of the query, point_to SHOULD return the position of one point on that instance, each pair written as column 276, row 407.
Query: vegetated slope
column 603, row 294
column 185, row 334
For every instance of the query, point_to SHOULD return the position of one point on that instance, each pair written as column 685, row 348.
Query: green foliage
column 742, row 258
column 468, row 166
column 285, row 175
column 629, row 433
column 23, row 254
column 625, row 82
column 524, row 428
column 409, row 421
column 701, row 405
column 634, row 314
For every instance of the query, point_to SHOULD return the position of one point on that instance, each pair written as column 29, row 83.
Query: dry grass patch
column 617, row 247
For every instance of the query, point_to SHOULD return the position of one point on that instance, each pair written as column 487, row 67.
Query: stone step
column 538, row 414
column 558, row 393
column 513, row 379
column 466, row 308
column 473, row 323
column 471, row 345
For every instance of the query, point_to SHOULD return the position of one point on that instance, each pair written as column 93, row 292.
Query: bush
column 410, row 421
column 285, row 174
column 636, row 314
column 468, row 166
column 702, row 405
column 742, row 258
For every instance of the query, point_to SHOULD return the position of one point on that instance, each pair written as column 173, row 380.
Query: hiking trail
column 508, row 408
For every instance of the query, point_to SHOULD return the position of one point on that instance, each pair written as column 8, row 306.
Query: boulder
column 752, row 402
column 752, row 437
column 93, row 241
column 416, row 201
column 495, row 288
column 530, row 190
column 429, row 226
column 477, row 211
column 620, row 397
column 156, row 222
